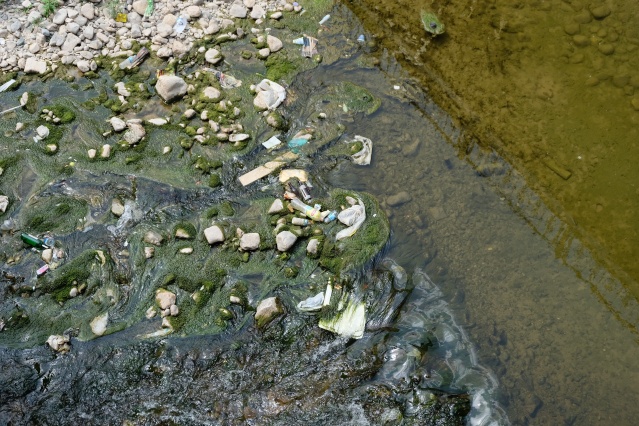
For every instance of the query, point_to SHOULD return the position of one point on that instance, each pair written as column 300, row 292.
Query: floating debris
column 431, row 23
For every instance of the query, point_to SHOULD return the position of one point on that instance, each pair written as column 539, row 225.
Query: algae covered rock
column 165, row 298
column 268, row 310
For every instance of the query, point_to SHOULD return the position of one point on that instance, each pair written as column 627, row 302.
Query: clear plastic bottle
column 310, row 212
column 180, row 25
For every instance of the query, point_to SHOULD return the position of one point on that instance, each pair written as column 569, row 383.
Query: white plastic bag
column 353, row 217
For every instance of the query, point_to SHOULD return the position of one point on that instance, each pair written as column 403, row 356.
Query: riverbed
column 535, row 335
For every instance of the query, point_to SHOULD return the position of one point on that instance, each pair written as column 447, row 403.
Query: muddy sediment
column 550, row 86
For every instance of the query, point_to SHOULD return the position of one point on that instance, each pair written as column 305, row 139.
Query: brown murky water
column 553, row 86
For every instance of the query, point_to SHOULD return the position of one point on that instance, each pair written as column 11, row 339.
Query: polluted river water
column 497, row 321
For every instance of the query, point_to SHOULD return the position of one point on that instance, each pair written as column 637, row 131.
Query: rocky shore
column 36, row 36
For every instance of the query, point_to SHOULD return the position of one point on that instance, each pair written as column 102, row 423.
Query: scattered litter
column 349, row 322
column 363, row 157
column 10, row 109
column 431, row 23
column 353, row 217
column 42, row 270
column 149, row 9
column 121, row 17
column 305, row 193
column 296, row 144
column 272, row 142
column 266, row 169
column 312, row 304
column 299, row 41
column 396, row 87
column 288, row 174
column 226, row 81
column 269, row 95
column 314, row 212
column 329, row 292
column 309, row 47
column 134, row 61
column 361, row 38
column 310, row 212
column 33, row 241
column 6, row 85
column 180, row 25
column 301, row 222
column 325, row 19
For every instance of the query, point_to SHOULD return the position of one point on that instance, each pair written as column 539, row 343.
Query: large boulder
column 250, row 241
column 274, row 43
column 32, row 65
column 214, row 234
column 238, row 11
column 165, row 298
column 135, row 133
column 171, row 87
column 211, row 94
column 87, row 11
column 118, row 124
column 267, row 310
column 212, row 56
column 285, row 240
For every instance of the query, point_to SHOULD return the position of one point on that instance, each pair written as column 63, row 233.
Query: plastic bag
column 353, row 217
column 363, row 157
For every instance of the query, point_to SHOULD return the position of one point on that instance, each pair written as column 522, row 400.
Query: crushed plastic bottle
column 127, row 62
column 310, row 212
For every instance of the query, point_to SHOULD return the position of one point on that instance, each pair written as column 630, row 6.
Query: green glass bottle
column 32, row 241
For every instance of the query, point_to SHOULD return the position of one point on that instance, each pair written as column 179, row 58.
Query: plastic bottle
column 310, row 212
column 127, row 62
column 180, row 25
column 331, row 216
column 300, row 221
column 325, row 19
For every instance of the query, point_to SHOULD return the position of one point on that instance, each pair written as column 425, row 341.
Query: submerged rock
column 153, row 237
